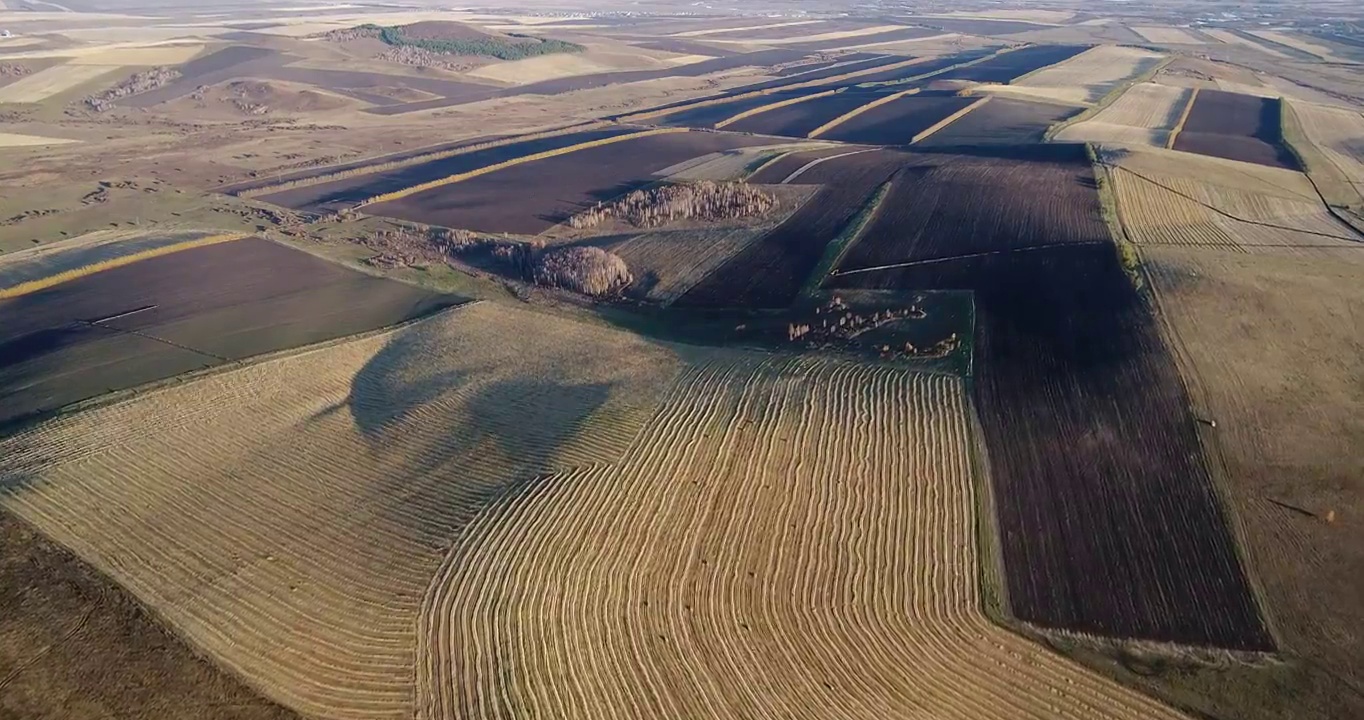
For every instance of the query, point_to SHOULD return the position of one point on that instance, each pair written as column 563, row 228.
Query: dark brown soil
column 1002, row 121
column 800, row 119
column 1014, row 64
column 898, row 121
column 75, row 646
column 1236, row 127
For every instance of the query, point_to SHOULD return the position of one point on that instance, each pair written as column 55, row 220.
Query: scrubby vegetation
column 138, row 83
column 508, row 48
column 706, row 200
column 588, row 270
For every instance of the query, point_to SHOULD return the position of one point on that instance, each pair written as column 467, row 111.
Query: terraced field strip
column 458, row 177
column 787, row 538
column 925, row 133
column 1232, row 38
column 765, row 108
column 286, row 517
column 854, row 113
column 32, row 286
column 1183, row 118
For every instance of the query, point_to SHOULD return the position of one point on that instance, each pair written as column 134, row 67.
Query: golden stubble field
column 494, row 511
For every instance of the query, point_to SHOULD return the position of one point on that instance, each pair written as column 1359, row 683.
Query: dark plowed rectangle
column 1002, row 121
column 782, row 168
column 347, row 192
column 1014, row 64
column 185, row 311
column 800, row 119
column 1236, row 127
column 531, row 198
column 988, row 28
column 898, row 121
column 917, row 69
column 889, row 36
column 707, row 116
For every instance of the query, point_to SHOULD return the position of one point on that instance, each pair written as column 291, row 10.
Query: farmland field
column 1144, row 115
column 226, row 64
column 1338, row 163
column 347, row 192
column 1010, row 65
column 799, row 119
column 51, row 81
column 898, row 121
column 1169, row 35
column 180, row 312
column 533, row 197
column 1085, row 78
column 1002, row 121
column 769, row 272
column 1236, row 127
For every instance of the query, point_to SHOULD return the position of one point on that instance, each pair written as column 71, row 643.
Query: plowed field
column 1002, row 121
column 1014, row 64
column 1236, row 127
column 898, row 121
column 799, row 119
column 1087, row 77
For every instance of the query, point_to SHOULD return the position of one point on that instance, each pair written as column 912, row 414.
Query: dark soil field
column 1094, row 456
column 1002, row 121
column 800, row 119
column 193, row 309
column 882, row 37
column 681, row 45
column 708, row 115
column 917, row 69
column 948, row 206
column 770, row 272
column 226, row 64
column 847, row 63
column 347, row 192
column 792, row 31
column 1015, row 64
column 1236, row 127
column 898, row 121
column 356, row 83
column 780, row 169
column 531, row 198
column 972, row 26
column 75, row 646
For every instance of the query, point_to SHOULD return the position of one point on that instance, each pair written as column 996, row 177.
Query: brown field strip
column 858, row 111
column 423, row 187
column 1183, row 118
column 32, row 286
column 786, row 538
column 765, row 108
column 935, row 127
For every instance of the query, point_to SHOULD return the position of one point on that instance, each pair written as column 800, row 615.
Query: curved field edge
column 847, row 579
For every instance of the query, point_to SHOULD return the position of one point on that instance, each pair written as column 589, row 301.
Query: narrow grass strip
column 839, row 246
column 948, row 120
column 1183, row 118
column 459, row 177
column 773, row 106
column 858, row 111
column 32, row 286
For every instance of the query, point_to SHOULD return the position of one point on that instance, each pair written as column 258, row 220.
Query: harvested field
column 16, row 140
column 972, row 26
column 1002, row 121
column 808, row 39
column 800, row 119
column 346, row 192
column 722, row 26
column 533, row 197
column 1144, row 115
column 561, row 65
column 1303, row 43
column 1282, row 382
column 1085, row 78
column 862, row 40
column 1235, row 38
column 945, row 206
column 836, row 578
column 167, row 315
column 52, row 81
column 1236, row 127
column 300, row 555
column 1091, row 441
column 151, row 55
column 1169, row 35
column 232, row 62
column 76, row 646
column 770, row 272
column 1338, row 135
column 1005, row 67
column 898, row 121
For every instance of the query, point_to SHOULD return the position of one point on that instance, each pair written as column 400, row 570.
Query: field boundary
column 32, row 286
column 382, row 166
column 1183, row 118
column 1108, row 99
column 858, row 111
column 1109, row 207
column 459, row 177
column 843, row 242
column 773, row 106
column 801, row 170
column 1302, row 148
column 935, row 127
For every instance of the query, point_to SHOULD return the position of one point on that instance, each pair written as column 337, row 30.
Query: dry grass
column 299, row 555
column 1302, row 43
column 1144, row 115
column 1085, row 78
column 16, row 140
column 137, row 56
column 1337, row 134
column 839, row 35
column 1168, row 35
column 719, row 31
column 52, row 81
column 1232, row 38
column 549, row 67
column 587, row 270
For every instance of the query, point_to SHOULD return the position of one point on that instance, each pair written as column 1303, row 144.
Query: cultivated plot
column 1144, row 115
column 1085, row 78
column 52, row 81
column 801, row 118
column 900, row 121
column 835, row 572
column 1338, row 135
column 1169, row 35
column 185, row 311
column 1000, row 122
column 1013, row 64
column 1236, row 127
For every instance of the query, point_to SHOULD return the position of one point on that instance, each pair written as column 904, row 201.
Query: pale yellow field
column 1231, row 38
column 1037, row 16
column 1168, row 35
column 548, row 67
column 1168, row 198
column 839, row 35
column 1085, row 78
column 1339, row 134
column 16, row 140
column 721, row 31
column 151, row 55
column 1144, row 115
column 787, row 538
column 1301, row 42
column 51, row 81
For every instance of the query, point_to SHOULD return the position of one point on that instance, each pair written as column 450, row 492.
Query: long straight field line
column 839, row 246
column 964, row 256
column 925, row 133
column 32, row 286
column 460, row 177
column 773, row 106
column 858, row 111
column 1183, row 118
column 817, row 161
